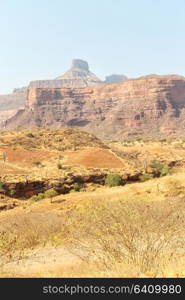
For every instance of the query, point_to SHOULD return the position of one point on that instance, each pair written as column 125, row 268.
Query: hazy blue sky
column 39, row 38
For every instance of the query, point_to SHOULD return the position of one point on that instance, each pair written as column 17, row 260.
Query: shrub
column 12, row 192
column 114, row 180
column 77, row 186
column 1, row 185
column 59, row 166
column 31, row 135
column 51, row 193
column 159, row 168
column 145, row 177
column 37, row 163
column 38, row 197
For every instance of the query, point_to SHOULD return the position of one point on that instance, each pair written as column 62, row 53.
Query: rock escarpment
column 10, row 103
column 78, row 76
column 150, row 106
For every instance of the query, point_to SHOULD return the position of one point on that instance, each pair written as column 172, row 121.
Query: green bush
column 145, row 177
column 38, row 197
column 160, row 169
column 114, row 180
column 59, row 166
column 77, row 186
column 37, row 163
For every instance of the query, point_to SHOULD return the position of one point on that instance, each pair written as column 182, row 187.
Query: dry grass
column 131, row 231
column 25, row 233
column 110, row 236
column 147, row 236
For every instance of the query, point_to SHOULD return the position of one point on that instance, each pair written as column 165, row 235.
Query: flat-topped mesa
column 78, row 76
column 80, row 64
column 115, row 78
column 80, row 70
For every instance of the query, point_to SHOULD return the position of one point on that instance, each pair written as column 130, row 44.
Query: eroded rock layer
column 150, row 106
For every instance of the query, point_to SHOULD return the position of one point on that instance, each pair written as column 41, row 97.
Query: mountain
column 150, row 106
column 78, row 76
column 115, row 78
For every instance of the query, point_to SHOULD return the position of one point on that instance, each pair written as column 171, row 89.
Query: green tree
column 114, row 180
column 51, row 193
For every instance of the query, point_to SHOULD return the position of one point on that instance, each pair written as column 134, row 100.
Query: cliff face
column 150, row 106
column 78, row 76
column 10, row 103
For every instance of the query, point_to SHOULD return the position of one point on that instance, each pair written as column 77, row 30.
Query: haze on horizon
column 39, row 38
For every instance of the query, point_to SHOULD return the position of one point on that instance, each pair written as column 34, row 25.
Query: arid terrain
column 72, row 205
column 92, row 177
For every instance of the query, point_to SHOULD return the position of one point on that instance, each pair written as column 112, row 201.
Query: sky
column 39, row 38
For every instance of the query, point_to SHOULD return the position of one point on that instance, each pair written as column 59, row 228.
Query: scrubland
column 132, row 230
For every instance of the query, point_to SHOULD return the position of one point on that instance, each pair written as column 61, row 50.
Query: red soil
column 25, row 156
column 95, row 158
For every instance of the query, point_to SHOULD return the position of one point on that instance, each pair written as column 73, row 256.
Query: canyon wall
column 149, row 106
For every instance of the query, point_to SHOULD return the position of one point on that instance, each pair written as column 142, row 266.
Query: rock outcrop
column 11, row 103
column 150, row 106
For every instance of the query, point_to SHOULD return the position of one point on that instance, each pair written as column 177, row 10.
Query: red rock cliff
column 151, row 105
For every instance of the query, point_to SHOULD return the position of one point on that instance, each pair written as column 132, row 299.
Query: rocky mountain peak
column 80, row 71
column 80, row 64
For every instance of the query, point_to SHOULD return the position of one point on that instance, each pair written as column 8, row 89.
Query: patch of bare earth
column 94, row 157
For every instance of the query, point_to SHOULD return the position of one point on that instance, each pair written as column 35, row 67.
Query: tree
column 51, row 193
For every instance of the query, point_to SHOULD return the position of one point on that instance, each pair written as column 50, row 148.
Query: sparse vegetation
column 38, row 197
column 59, row 166
column 30, row 135
column 12, row 192
column 124, row 231
column 114, row 180
column 77, row 186
column 1, row 185
column 51, row 193
column 145, row 177
column 160, row 169
column 37, row 163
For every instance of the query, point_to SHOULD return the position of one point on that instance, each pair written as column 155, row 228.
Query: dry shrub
column 175, row 188
column 146, row 235
column 26, row 232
